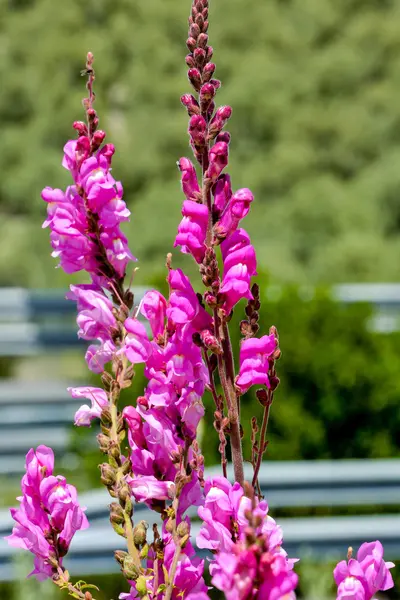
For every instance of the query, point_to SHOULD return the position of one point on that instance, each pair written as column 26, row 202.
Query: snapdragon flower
column 49, row 514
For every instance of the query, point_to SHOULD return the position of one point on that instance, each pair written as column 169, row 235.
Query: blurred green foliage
column 314, row 85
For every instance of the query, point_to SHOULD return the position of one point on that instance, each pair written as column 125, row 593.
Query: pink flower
column 95, row 312
column 369, row 572
column 153, row 307
column 184, row 306
column 137, row 347
column 237, row 208
column 222, row 193
column 218, row 158
column 97, row 356
column 148, row 488
column 254, row 361
column 190, row 186
column 351, row 589
column 239, row 267
column 85, row 414
column 192, row 230
column 49, row 514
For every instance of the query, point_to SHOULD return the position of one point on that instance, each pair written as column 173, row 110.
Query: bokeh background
column 315, row 88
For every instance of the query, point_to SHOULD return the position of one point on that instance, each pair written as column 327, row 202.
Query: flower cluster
column 362, row 578
column 48, row 516
column 162, row 428
column 85, row 219
column 247, row 542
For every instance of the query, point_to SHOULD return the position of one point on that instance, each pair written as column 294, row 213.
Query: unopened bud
column 139, row 533
column 197, row 130
column 120, row 556
column 183, row 529
column 191, row 44
column 199, row 56
column 274, row 382
column 262, row 397
column 131, row 571
column 194, row 31
column 207, row 93
column 107, row 474
column 116, row 513
column 103, row 441
column 195, row 78
column 224, row 136
column 97, row 139
column 80, row 127
column 191, row 104
column 190, row 61
column 202, row 41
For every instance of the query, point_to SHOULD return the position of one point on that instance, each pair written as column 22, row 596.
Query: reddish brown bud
column 195, row 78
column 208, row 71
column 224, row 136
column 189, row 60
column 191, row 44
column 202, row 41
column 97, row 139
column 199, row 56
column 194, row 31
column 80, row 127
column 191, row 104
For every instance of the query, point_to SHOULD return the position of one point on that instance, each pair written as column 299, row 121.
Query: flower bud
column 80, row 127
column 139, row 533
column 194, row 31
column 197, row 130
column 202, row 41
column 120, row 556
column 219, row 121
column 210, row 342
column 131, row 571
column 199, row 56
column 183, row 529
column 190, row 61
column 224, row 136
column 195, row 78
column 207, row 93
column 191, row 104
column 218, row 160
column 191, row 44
column 116, row 513
column 97, row 139
column 107, row 474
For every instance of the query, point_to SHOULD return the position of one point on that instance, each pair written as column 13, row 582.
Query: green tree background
column 315, row 88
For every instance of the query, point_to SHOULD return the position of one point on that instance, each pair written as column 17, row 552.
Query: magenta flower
column 148, row 488
column 97, row 356
column 369, row 570
column 49, row 514
column 84, row 222
column 190, row 185
column 95, row 312
column 137, row 347
column 192, row 230
column 237, row 208
column 222, row 193
column 255, row 354
column 85, row 414
column 239, row 267
column 184, row 306
column 218, row 157
column 153, row 307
